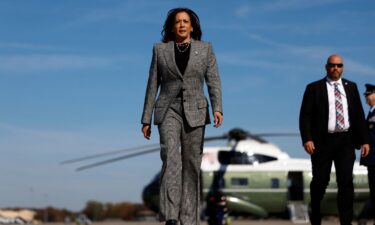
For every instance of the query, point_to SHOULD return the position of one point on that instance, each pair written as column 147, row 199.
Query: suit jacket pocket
column 161, row 107
column 203, row 113
column 161, row 103
column 202, row 104
column 159, row 114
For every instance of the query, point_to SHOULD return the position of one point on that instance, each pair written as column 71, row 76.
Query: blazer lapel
column 324, row 91
column 192, row 56
column 170, row 60
column 348, row 93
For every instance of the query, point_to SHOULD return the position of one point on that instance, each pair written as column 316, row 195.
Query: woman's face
column 182, row 27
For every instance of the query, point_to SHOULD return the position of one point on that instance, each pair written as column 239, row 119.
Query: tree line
column 95, row 211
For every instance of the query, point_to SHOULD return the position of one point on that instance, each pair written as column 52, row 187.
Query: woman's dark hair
column 167, row 32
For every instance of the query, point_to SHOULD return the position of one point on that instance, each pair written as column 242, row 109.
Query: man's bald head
column 334, row 67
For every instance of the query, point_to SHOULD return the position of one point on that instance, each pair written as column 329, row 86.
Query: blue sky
column 73, row 76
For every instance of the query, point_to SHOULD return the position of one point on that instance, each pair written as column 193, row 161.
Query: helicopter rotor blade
column 255, row 137
column 117, row 159
column 225, row 136
column 278, row 134
column 143, row 152
column 108, row 153
column 236, row 134
column 259, row 136
column 240, row 134
column 214, row 138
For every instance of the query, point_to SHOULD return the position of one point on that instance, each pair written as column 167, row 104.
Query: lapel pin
column 196, row 52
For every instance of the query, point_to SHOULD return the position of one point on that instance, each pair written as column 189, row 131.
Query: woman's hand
column 218, row 119
column 146, row 130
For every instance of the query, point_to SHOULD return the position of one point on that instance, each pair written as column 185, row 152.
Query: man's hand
column 218, row 119
column 146, row 130
column 365, row 150
column 309, row 147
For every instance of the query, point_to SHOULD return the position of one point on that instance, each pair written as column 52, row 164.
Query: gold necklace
column 185, row 46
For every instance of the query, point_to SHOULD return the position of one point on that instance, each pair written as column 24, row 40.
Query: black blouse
column 181, row 55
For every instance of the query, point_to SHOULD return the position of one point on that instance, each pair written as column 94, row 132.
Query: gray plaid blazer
column 164, row 72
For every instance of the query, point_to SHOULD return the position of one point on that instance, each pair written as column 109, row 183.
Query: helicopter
column 255, row 176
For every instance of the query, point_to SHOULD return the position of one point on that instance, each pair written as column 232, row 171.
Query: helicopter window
column 237, row 181
column 264, row 158
column 242, row 158
column 275, row 183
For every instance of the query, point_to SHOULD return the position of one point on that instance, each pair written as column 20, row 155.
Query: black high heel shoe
column 171, row 222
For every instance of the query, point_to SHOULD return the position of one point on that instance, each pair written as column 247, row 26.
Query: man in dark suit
column 369, row 161
column 332, row 125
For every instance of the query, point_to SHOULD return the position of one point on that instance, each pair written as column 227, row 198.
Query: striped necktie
column 339, row 109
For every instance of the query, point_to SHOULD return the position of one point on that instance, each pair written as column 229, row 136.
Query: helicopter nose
column 150, row 195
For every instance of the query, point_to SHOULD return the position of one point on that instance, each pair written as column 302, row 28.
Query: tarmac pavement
column 326, row 221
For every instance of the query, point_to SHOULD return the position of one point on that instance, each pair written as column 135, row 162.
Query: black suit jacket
column 370, row 159
column 313, row 120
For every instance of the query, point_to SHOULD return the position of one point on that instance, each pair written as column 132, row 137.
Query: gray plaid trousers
column 180, row 176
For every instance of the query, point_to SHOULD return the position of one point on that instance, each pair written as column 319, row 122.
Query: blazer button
column 184, row 100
